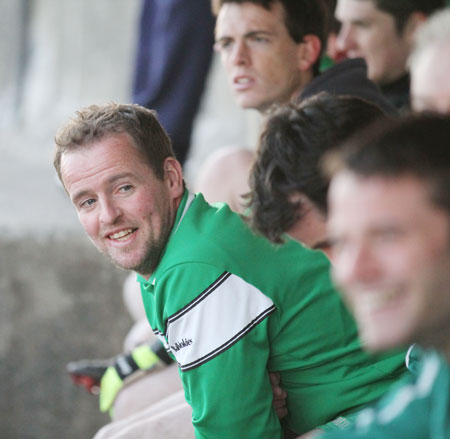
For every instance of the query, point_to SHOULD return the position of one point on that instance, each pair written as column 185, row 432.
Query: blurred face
column 430, row 85
column 370, row 33
column 126, row 211
column 389, row 242
column 261, row 59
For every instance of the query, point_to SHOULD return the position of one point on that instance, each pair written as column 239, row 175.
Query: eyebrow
column 362, row 21
column 246, row 35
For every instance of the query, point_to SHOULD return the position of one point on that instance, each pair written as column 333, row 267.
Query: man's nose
column 356, row 266
column 110, row 212
column 240, row 54
column 345, row 40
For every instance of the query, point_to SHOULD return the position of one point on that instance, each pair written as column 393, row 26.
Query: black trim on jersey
column 219, row 281
column 159, row 333
column 229, row 343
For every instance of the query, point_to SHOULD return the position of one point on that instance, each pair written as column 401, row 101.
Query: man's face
column 126, row 211
column 260, row 58
column 430, row 85
column 370, row 33
column 389, row 240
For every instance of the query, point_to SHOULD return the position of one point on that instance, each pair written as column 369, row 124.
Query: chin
column 379, row 342
column 126, row 263
column 247, row 105
column 251, row 103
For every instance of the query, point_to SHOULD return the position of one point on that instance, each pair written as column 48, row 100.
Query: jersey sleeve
column 216, row 326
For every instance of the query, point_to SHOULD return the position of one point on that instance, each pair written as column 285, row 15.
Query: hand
column 279, row 395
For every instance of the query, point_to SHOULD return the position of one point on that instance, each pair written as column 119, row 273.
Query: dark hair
column 291, row 147
column 333, row 24
column 301, row 17
column 417, row 145
column 401, row 10
column 96, row 122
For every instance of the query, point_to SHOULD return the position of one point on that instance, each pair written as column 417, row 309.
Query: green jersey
column 418, row 407
column 230, row 306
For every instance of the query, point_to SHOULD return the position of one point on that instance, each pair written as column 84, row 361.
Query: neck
column 304, row 78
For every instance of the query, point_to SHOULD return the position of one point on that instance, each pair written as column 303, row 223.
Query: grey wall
column 59, row 302
column 56, row 56
column 59, row 299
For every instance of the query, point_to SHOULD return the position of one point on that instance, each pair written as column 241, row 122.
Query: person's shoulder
column 348, row 77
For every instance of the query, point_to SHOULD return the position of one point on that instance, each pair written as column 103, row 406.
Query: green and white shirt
column 230, row 306
column 418, row 407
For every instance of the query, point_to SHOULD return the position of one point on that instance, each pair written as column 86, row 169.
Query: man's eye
column 125, row 188
column 87, row 203
column 362, row 24
column 259, row 39
column 222, row 45
column 389, row 235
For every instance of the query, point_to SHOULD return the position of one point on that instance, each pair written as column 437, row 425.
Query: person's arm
column 279, row 395
column 220, row 340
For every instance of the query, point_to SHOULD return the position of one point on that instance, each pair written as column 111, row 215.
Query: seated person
column 429, row 65
column 381, row 32
column 389, row 221
column 288, row 191
column 271, row 52
column 228, row 306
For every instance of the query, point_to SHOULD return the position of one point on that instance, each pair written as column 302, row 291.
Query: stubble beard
column 154, row 248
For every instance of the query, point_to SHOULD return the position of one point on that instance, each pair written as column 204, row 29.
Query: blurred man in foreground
column 389, row 221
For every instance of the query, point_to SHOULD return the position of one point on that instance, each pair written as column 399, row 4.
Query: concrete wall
column 59, row 301
column 56, row 56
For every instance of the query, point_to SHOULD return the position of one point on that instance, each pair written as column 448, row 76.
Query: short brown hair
column 98, row 121
column 416, row 145
column 401, row 10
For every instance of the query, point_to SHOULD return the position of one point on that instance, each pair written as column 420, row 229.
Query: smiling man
column 228, row 306
column 382, row 32
column 135, row 241
column 389, row 219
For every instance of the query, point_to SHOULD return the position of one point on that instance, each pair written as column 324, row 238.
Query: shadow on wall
column 59, row 301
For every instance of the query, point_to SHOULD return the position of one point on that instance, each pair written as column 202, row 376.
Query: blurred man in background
column 381, row 32
column 429, row 65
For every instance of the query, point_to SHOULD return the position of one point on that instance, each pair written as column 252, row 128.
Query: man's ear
column 310, row 49
column 173, row 175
